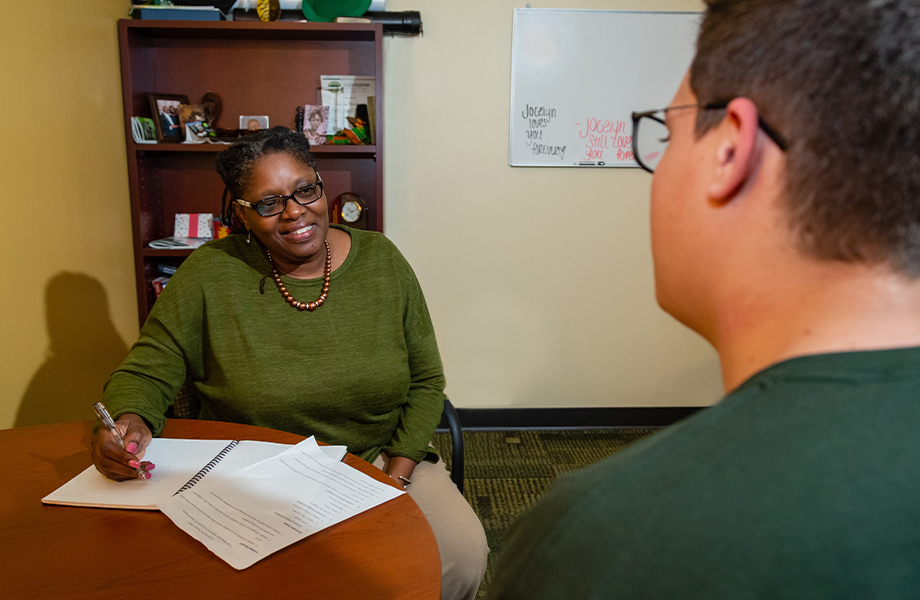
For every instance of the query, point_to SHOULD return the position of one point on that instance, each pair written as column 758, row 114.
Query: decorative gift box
column 196, row 225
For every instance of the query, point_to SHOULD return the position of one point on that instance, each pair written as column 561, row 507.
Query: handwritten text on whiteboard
column 537, row 119
column 605, row 140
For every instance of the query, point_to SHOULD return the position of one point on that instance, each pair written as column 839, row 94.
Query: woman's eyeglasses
column 275, row 205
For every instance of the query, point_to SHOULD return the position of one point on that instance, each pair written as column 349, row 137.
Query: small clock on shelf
column 350, row 209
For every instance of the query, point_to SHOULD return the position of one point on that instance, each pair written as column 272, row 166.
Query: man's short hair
column 840, row 81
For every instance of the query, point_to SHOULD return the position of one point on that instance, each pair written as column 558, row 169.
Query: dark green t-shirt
column 363, row 370
column 802, row 483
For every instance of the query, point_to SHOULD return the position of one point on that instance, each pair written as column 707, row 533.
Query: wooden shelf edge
column 317, row 150
column 159, row 253
column 352, row 32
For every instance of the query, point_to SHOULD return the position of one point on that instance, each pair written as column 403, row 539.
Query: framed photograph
column 164, row 108
column 191, row 113
column 253, row 122
column 316, row 123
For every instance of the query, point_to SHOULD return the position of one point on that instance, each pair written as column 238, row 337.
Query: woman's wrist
column 400, row 470
column 403, row 482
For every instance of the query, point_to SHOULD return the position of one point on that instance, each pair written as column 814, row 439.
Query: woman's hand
column 119, row 463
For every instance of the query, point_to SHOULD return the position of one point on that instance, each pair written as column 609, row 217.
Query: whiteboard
column 578, row 75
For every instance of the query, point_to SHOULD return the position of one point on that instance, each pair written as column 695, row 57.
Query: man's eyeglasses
column 275, row 205
column 650, row 135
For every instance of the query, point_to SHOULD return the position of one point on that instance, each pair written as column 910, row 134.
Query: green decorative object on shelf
column 327, row 10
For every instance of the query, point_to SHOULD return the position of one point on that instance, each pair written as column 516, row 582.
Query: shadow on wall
column 85, row 349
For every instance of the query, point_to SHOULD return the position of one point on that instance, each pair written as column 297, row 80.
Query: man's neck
column 822, row 310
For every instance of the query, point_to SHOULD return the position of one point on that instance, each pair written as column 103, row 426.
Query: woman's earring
column 249, row 236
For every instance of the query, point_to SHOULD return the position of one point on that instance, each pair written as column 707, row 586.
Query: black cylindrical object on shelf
column 407, row 22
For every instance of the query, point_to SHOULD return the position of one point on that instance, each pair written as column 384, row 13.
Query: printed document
column 263, row 508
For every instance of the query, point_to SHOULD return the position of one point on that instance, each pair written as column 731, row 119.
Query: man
column 785, row 219
column 169, row 120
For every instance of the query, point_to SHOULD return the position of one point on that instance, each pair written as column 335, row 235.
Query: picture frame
column 143, row 130
column 249, row 122
column 191, row 113
column 316, row 123
column 164, row 109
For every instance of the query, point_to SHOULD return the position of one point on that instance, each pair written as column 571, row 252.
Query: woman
column 316, row 119
column 302, row 327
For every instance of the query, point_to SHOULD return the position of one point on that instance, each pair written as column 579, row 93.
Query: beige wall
column 67, row 299
column 539, row 280
column 533, row 305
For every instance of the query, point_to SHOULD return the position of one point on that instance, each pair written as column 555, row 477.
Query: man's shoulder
column 563, row 546
column 802, row 446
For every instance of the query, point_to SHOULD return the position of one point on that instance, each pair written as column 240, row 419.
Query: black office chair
column 187, row 405
column 456, row 443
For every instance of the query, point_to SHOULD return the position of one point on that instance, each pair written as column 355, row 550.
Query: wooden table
column 69, row 552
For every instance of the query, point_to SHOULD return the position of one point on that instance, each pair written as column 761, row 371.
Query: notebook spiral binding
column 204, row 470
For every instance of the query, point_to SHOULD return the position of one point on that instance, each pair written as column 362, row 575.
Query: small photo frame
column 194, row 123
column 164, row 108
column 191, row 113
column 143, row 130
column 316, row 123
column 253, row 122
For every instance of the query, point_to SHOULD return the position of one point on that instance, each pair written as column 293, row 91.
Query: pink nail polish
column 150, row 467
column 134, row 464
column 131, row 447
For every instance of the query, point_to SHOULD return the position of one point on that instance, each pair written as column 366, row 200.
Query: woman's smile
column 300, row 234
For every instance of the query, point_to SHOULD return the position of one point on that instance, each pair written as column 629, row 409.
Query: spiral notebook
column 180, row 464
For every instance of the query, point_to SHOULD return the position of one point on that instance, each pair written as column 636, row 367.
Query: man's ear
column 737, row 153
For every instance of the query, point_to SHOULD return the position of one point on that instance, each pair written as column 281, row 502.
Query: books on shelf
column 159, row 284
column 372, row 119
column 176, row 13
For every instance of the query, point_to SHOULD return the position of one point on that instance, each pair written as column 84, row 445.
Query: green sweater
column 802, row 483
column 363, row 370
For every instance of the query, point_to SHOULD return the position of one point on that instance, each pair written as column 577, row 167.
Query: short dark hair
column 317, row 111
column 841, row 83
column 234, row 165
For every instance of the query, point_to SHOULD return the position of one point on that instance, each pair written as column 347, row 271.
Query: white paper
column 176, row 460
column 342, row 94
column 244, row 517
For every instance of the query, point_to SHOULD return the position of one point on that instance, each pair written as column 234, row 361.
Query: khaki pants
column 460, row 536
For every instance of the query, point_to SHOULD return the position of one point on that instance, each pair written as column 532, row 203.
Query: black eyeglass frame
column 772, row 133
column 256, row 205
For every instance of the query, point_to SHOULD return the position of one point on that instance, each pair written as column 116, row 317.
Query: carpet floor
column 507, row 471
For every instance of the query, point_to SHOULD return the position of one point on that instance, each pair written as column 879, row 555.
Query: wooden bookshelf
column 257, row 69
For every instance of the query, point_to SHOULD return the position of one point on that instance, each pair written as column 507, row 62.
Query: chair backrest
column 187, row 404
column 456, row 444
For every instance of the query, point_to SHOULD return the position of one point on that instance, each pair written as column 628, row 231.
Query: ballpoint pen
column 106, row 419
